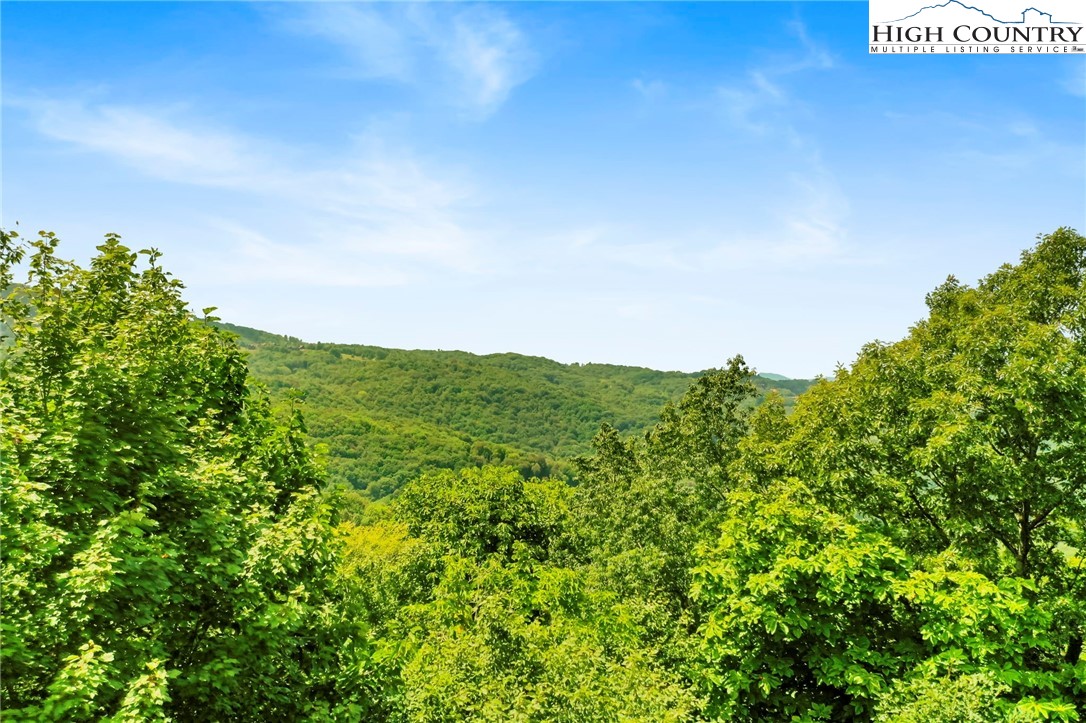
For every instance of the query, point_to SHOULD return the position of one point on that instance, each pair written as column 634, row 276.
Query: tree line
column 906, row 545
column 384, row 416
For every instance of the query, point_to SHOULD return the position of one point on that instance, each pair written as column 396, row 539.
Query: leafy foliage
column 815, row 617
column 802, row 618
column 945, row 699
column 511, row 642
column 907, row 545
column 952, row 461
column 387, row 415
column 485, row 512
column 165, row 552
column 485, row 614
column 970, row 431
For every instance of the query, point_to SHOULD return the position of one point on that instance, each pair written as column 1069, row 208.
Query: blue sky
column 662, row 185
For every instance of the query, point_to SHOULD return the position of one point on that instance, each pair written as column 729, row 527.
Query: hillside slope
column 386, row 414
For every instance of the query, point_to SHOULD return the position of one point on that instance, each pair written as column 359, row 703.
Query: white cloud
column 255, row 257
column 811, row 224
column 815, row 56
column 148, row 141
column 810, row 227
column 1017, row 144
column 815, row 228
column 762, row 103
column 378, row 43
column 587, row 236
column 380, row 205
column 470, row 57
column 490, row 54
column 647, row 255
column 746, row 106
column 650, row 89
column 805, row 224
column 1023, row 129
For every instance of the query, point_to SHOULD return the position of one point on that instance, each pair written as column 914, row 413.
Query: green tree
column 801, row 619
column 944, row 699
column 493, row 619
column 165, row 551
column 940, row 523
column 809, row 615
column 971, row 433
column 531, row 642
column 636, row 532
column 642, row 506
column 485, row 511
column 698, row 438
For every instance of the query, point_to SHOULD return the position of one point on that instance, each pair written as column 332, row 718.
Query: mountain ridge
column 384, row 415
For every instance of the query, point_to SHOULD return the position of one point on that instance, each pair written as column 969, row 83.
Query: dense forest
column 906, row 545
column 383, row 416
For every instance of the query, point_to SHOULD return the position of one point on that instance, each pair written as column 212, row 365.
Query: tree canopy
column 385, row 416
column 166, row 551
column 906, row 545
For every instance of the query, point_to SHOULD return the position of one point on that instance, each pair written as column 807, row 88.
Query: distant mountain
column 384, row 415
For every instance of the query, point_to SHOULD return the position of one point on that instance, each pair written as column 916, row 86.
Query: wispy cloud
column 811, row 222
column 255, row 257
column 810, row 227
column 747, row 106
column 1074, row 82
column 470, row 57
column 373, row 205
column 815, row 227
column 805, row 224
column 651, row 90
column 1016, row 144
column 378, row 44
column 148, row 141
column 815, row 56
column 763, row 102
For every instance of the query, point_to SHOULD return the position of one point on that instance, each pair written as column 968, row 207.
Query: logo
column 1014, row 27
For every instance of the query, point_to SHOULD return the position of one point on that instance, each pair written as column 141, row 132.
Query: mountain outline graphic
column 1051, row 20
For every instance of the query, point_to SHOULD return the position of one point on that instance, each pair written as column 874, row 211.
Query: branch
column 999, row 536
column 929, row 517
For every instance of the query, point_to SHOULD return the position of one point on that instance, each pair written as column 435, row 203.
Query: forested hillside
column 385, row 415
column 905, row 547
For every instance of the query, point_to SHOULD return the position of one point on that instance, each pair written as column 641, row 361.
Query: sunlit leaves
column 166, row 551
